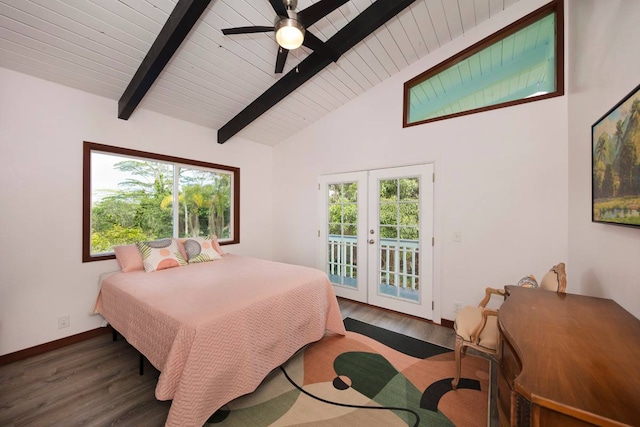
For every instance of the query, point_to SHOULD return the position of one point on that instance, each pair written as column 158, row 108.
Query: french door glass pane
column 399, row 218
column 342, row 242
column 409, row 189
column 409, row 213
column 388, row 232
column 351, row 192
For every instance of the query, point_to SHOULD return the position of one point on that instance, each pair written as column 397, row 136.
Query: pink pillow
column 129, row 258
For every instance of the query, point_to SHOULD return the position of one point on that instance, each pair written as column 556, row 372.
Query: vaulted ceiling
column 98, row 45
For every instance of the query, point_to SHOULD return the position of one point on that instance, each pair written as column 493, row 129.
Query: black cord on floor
column 346, row 405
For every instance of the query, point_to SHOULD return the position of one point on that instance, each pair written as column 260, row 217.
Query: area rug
column 371, row 377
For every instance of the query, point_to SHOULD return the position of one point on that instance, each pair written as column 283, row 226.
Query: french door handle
column 371, row 242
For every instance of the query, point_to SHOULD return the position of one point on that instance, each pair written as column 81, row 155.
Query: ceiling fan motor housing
column 289, row 31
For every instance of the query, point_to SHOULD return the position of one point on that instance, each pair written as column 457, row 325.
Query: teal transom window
column 521, row 63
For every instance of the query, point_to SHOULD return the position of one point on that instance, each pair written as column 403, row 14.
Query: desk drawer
column 509, row 365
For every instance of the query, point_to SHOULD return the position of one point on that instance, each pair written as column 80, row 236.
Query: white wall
column 501, row 179
column 510, row 180
column 42, row 126
column 604, row 64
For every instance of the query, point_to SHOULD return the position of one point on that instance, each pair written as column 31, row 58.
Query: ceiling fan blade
column 281, row 59
column 313, row 42
column 246, row 30
column 279, row 7
column 319, row 10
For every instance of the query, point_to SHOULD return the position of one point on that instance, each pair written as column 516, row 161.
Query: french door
column 376, row 230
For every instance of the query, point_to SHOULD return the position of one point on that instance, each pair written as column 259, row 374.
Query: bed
column 215, row 329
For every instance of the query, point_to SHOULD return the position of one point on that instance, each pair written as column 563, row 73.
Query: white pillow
column 160, row 254
column 200, row 249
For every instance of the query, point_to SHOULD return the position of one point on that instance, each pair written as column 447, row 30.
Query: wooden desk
column 567, row 360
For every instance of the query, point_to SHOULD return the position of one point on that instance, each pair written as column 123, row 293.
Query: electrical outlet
column 64, row 321
column 457, row 306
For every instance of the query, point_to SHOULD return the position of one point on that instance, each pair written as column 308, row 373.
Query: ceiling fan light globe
column 289, row 33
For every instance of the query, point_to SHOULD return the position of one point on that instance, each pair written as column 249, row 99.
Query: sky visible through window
column 104, row 176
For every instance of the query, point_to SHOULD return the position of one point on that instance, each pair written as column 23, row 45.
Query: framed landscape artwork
column 615, row 143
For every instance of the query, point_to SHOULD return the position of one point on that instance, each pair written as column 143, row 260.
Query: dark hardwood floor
column 96, row 382
column 396, row 322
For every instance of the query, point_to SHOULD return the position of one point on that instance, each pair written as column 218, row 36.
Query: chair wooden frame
column 462, row 344
column 561, row 273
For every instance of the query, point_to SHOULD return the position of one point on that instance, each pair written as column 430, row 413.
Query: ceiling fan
column 290, row 28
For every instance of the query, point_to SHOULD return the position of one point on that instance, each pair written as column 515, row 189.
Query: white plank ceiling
column 97, row 46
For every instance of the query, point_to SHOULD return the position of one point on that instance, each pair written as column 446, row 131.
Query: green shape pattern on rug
column 373, row 376
column 369, row 372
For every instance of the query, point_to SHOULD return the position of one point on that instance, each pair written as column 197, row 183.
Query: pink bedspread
column 216, row 329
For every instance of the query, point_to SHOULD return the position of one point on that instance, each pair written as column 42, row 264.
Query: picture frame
column 615, row 164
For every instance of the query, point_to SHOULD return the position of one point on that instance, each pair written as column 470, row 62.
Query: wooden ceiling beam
column 353, row 33
column 178, row 25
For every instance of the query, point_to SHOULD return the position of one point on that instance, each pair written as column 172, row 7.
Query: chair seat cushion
column 468, row 319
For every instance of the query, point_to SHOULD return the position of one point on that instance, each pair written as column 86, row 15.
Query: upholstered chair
column 476, row 327
column 555, row 279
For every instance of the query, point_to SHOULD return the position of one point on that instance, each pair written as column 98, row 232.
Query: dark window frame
column 88, row 147
column 555, row 6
